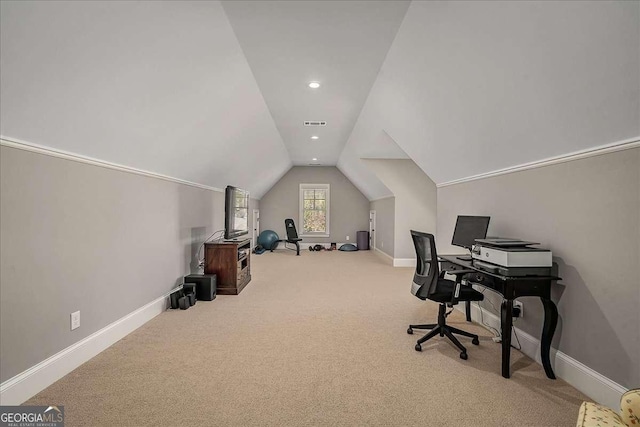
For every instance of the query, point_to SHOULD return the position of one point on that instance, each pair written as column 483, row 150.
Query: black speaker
column 205, row 285
column 174, row 297
column 192, row 298
column 189, row 288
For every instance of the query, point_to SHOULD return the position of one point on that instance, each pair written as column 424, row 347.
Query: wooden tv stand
column 233, row 271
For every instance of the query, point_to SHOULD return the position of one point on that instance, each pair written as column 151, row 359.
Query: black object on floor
column 292, row 235
column 184, row 303
column 362, row 238
column 205, row 285
column 189, row 288
column 174, row 297
column 428, row 283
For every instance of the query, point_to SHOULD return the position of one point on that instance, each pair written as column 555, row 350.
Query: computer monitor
column 468, row 229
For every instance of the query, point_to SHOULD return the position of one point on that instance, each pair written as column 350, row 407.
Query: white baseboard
column 404, row 262
column 595, row 385
column 27, row 384
column 397, row 262
column 388, row 258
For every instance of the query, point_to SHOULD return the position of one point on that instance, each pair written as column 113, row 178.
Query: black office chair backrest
column 425, row 279
column 292, row 233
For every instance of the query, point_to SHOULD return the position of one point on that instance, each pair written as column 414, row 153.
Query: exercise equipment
column 268, row 239
column 348, row 247
column 292, row 235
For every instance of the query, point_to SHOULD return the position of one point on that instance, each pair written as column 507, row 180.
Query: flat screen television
column 236, row 212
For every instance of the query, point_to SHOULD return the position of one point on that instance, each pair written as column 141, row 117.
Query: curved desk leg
column 506, row 314
column 467, row 309
column 550, row 322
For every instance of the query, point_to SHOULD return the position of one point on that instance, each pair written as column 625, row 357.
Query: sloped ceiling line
column 342, row 45
column 470, row 87
column 182, row 103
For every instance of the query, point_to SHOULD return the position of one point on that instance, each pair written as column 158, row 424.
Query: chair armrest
column 456, row 289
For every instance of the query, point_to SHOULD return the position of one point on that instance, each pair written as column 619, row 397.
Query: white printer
column 511, row 253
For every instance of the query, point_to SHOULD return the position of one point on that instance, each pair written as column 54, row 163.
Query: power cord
column 515, row 334
column 491, row 328
column 498, row 334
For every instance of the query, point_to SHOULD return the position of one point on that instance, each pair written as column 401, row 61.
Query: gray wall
column 385, row 224
column 81, row 237
column 349, row 208
column 588, row 213
column 415, row 200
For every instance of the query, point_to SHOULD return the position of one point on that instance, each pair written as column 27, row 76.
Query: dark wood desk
column 512, row 287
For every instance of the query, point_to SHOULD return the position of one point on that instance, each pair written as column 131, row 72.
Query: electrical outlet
column 75, row 320
column 347, row 238
column 518, row 304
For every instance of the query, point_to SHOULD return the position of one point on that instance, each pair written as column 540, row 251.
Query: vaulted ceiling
column 216, row 93
column 340, row 45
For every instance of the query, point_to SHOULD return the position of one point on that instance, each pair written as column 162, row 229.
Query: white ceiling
column 206, row 92
column 472, row 87
column 158, row 86
column 340, row 44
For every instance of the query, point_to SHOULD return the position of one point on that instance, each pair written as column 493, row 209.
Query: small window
column 314, row 209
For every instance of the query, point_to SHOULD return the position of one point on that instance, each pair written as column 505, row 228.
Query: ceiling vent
column 315, row 123
column 315, row 164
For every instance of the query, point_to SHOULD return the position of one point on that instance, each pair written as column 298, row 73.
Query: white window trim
column 327, row 188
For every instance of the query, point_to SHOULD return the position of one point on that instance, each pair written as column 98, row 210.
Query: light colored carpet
column 318, row 339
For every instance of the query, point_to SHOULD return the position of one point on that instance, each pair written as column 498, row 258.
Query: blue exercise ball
column 268, row 239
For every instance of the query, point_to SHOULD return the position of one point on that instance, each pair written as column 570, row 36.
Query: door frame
column 372, row 229
column 255, row 228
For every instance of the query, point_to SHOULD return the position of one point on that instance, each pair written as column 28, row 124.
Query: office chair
column 429, row 283
column 292, row 235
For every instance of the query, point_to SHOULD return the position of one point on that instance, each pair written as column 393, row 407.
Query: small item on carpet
column 348, row 247
column 183, row 298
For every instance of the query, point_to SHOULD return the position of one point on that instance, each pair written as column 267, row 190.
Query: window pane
column 314, row 221
column 314, row 209
column 241, row 202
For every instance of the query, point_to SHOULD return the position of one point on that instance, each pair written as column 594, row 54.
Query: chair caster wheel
column 410, row 331
column 463, row 356
column 475, row 341
column 418, row 347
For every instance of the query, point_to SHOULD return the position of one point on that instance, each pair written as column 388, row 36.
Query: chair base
column 442, row 329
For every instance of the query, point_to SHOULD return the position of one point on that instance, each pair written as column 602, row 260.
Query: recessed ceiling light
column 314, row 159
column 314, row 85
column 315, row 137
